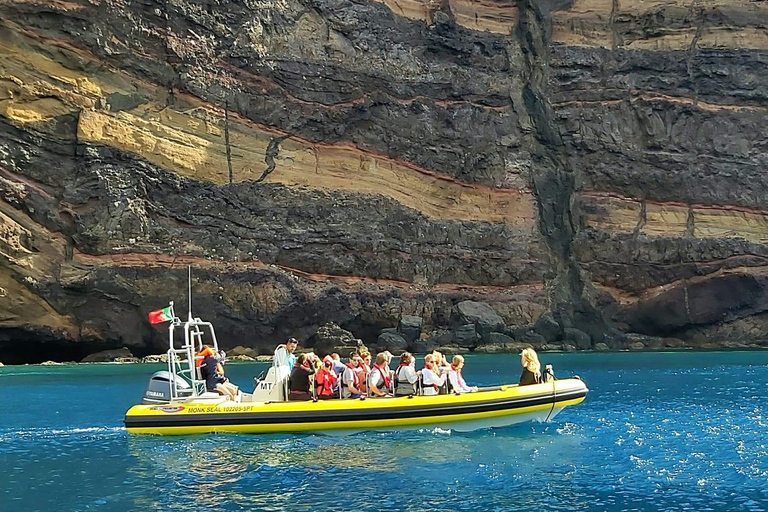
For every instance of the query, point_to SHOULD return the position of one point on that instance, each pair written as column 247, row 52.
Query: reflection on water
column 657, row 432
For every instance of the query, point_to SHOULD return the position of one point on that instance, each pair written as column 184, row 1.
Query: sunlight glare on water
column 658, row 431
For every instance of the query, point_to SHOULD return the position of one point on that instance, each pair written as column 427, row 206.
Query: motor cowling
column 158, row 389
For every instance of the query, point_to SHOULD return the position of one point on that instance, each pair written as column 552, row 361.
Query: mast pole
column 189, row 285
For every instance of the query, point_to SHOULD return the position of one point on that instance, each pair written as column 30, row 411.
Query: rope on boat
column 554, row 396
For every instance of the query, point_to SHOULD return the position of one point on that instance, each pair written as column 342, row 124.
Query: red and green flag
column 159, row 316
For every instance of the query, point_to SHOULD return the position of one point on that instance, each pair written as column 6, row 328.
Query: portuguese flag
column 159, row 316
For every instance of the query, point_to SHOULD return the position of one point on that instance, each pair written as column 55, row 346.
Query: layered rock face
column 356, row 161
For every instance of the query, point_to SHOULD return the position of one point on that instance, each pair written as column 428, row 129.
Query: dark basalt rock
column 410, row 327
column 394, row 343
column 577, row 337
column 481, row 315
column 466, row 336
column 108, row 356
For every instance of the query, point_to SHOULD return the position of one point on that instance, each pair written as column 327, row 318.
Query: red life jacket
column 386, row 378
column 354, row 374
column 325, row 379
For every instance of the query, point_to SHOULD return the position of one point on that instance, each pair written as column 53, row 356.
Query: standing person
column 299, row 383
column 284, row 354
column 455, row 378
column 326, row 379
column 380, row 378
column 531, row 367
column 406, row 376
column 431, row 376
column 350, row 379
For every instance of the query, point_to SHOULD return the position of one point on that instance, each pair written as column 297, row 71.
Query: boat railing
column 183, row 359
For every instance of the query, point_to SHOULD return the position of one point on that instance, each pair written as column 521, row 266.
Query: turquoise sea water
column 658, row 431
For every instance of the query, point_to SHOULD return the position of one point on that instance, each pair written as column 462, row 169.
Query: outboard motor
column 549, row 374
column 159, row 388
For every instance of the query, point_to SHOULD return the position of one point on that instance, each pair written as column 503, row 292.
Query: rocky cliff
column 597, row 162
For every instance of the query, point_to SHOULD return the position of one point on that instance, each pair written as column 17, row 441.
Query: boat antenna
column 189, row 283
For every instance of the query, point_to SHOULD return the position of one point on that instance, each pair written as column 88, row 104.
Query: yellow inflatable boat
column 176, row 402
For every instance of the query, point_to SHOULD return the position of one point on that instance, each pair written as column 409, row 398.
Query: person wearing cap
column 325, row 379
column 212, row 370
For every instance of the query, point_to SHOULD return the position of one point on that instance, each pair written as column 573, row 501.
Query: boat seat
column 211, row 395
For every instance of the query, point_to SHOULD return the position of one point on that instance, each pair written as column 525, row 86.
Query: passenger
column 406, row 376
column 364, row 369
column 212, row 370
column 456, row 380
column 531, row 367
column 338, row 366
column 326, row 380
column 350, row 379
column 380, row 378
column 299, row 382
column 432, row 377
column 441, row 363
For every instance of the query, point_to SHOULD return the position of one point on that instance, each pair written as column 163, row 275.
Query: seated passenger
column 531, row 367
column 338, row 366
column 350, row 379
column 380, row 378
column 456, row 380
column 299, row 381
column 432, row 377
column 363, row 370
column 326, row 379
column 406, row 376
column 212, row 370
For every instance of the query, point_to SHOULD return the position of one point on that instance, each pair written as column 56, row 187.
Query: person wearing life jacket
column 456, row 380
column 211, row 364
column 325, row 380
column 531, row 367
column 363, row 370
column 299, row 383
column 405, row 377
column 351, row 386
column 432, row 377
column 380, row 377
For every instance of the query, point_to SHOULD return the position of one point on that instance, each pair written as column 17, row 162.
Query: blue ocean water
column 658, row 431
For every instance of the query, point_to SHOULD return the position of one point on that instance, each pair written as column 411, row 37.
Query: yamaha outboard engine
column 549, row 374
column 159, row 388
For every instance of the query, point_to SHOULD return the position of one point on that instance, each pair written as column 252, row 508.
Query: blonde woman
column 531, row 367
column 432, row 377
column 455, row 378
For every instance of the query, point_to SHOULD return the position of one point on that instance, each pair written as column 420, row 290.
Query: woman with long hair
column 531, row 367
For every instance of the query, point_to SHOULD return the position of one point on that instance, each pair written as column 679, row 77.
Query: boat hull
column 503, row 406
